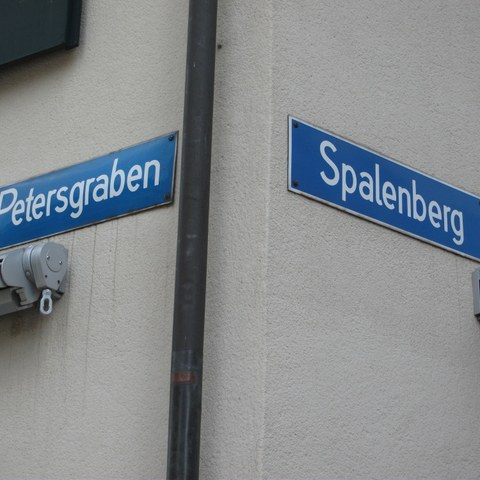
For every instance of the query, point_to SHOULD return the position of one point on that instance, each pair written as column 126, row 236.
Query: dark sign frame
column 33, row 27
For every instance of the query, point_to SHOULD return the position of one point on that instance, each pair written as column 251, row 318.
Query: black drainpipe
column 190, row 282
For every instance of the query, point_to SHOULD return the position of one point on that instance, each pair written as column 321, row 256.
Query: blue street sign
column 106, row 187
column 335, row 171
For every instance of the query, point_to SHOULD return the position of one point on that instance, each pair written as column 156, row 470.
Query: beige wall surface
column 84, row 393
column 373, row 359
column 334, row 348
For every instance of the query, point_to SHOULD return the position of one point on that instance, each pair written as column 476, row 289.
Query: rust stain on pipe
column 186, row 377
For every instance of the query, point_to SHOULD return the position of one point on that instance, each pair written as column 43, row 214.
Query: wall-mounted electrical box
column 32, row 27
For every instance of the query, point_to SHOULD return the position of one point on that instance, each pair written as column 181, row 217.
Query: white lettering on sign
column 372, row 188
column 35, row 206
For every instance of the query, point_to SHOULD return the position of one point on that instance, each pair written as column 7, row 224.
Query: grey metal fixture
column 32, row 273
column 476, row 292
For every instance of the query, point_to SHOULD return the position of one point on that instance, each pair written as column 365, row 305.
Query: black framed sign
column 32, row 27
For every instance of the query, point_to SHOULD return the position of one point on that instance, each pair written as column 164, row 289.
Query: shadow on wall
column 20, row 323
column 14, row 77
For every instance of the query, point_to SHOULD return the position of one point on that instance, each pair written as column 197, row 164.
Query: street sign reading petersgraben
column 337, row 172
column 117, row 184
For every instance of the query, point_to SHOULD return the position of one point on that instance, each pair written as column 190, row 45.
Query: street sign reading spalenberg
column 340, row 173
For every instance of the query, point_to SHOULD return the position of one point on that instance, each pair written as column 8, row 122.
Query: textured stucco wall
column 373, row 352
column 335, row 348
column 84, row 393
column 233, row 411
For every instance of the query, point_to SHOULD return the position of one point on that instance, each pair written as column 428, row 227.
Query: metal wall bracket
column 30, row 273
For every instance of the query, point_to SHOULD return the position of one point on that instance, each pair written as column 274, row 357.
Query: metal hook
column 46, row 302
